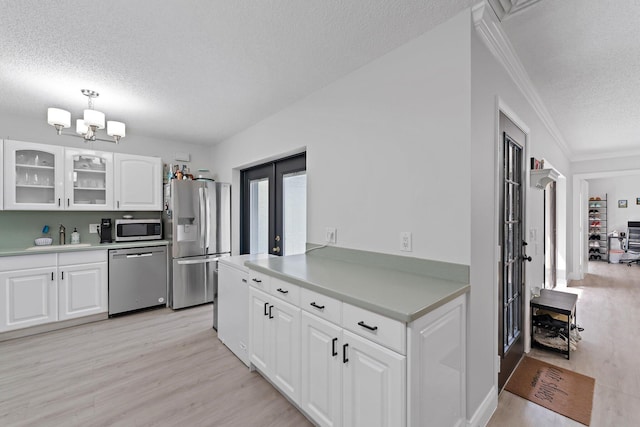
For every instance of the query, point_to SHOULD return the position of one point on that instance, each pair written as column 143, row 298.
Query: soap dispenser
column 62, row 234
column 75, row 237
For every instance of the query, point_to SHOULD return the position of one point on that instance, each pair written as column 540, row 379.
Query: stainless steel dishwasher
column 137, row 278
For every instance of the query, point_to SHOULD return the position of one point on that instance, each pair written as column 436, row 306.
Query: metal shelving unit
column 597, row 237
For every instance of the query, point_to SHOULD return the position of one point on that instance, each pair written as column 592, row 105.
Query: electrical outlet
column 94, row 228
column 330, row 234
column 405, row 241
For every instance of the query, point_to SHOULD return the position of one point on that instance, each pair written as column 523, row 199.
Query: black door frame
column 275, row 172
column 510, row 353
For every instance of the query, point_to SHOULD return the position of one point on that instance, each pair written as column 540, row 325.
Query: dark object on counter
column 105, row 231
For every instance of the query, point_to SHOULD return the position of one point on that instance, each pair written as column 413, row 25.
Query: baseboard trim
column 48, row 327
column 486, row 409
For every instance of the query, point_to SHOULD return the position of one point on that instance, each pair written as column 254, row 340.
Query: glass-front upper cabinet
column 89, row 178
column 33, row 176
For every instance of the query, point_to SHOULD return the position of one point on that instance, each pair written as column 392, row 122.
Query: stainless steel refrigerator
column 197, row 223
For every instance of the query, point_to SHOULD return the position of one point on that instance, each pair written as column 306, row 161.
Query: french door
column 274, row 207
column 512, row 278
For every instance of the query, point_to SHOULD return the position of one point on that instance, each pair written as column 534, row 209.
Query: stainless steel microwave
column 129, row 230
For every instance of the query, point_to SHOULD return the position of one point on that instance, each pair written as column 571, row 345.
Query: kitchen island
column 359, row 338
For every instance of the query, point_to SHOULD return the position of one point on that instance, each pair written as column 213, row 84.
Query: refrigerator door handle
column 203, row 218
column 207, row 218
column 197, row 261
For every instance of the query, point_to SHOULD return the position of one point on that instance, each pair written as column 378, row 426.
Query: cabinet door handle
column 364, row 325
column 62, row 275
column 257, row 280
column 282, row 291
column 345, row 359
column 58, row 201
column 319, row 307
column 52, row 276
column 244, row 280
column 265, row 308
column 68, row 202
column 334, row 351
column 118, row 202
column 270, row 315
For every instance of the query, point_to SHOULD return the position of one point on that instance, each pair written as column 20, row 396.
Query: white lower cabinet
column 29, row 298
column 275, row 341
column 347, row 366
column 374, row 379
column 82, row 290
column 321, row 381
column 348, row 380
column 39, row 289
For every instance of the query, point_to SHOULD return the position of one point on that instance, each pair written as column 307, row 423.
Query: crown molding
column 601, row 155
column 490, row 31
column 506, row 8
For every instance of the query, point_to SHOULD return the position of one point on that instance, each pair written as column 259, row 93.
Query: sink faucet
column 62, row 234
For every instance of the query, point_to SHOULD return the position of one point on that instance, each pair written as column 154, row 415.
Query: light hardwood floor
column 155, row 368
column 165, row 368
column 609, row 310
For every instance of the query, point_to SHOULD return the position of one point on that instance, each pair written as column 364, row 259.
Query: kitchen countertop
column 238, row 261
column 81, row 247
column 401, row 288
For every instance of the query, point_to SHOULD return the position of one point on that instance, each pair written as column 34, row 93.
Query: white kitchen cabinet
column 233, row 316
column 349, row 380
column 275, row 341
column 29, row 298
column 360, row 368
column 259, row 330
column 88, row 180
column 286, row 348
column 437, row 371
column 138, row 182
column 82, row 284
column 374, row 384
column 45, row 288
column 321, row 367
column 33, row 176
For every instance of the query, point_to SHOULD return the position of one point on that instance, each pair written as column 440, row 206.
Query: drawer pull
column 265, row 308
column 257, row 280
column 282, row 291
column 334, row 352
column 345, row 359
column 319, row 307
column 270, row 315
column 364, row 325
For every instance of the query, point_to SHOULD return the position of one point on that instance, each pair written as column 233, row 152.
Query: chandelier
column 89, row 124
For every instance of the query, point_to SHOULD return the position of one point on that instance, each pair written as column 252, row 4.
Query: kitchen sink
column 58, row 247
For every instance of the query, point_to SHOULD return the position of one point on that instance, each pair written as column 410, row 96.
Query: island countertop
column 401, row 288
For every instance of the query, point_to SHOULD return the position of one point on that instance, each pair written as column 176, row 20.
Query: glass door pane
column 259, row 216
column 89, row 180
column 294, row 186
column 35, row 177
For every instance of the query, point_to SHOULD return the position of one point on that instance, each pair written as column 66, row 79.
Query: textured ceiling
column 202, row 70
column 584, row 59
column 194, row 70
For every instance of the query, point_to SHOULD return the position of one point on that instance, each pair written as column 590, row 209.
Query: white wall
column 618, row 188
column 27, row 129
column 387, row 150
column 490, row 82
